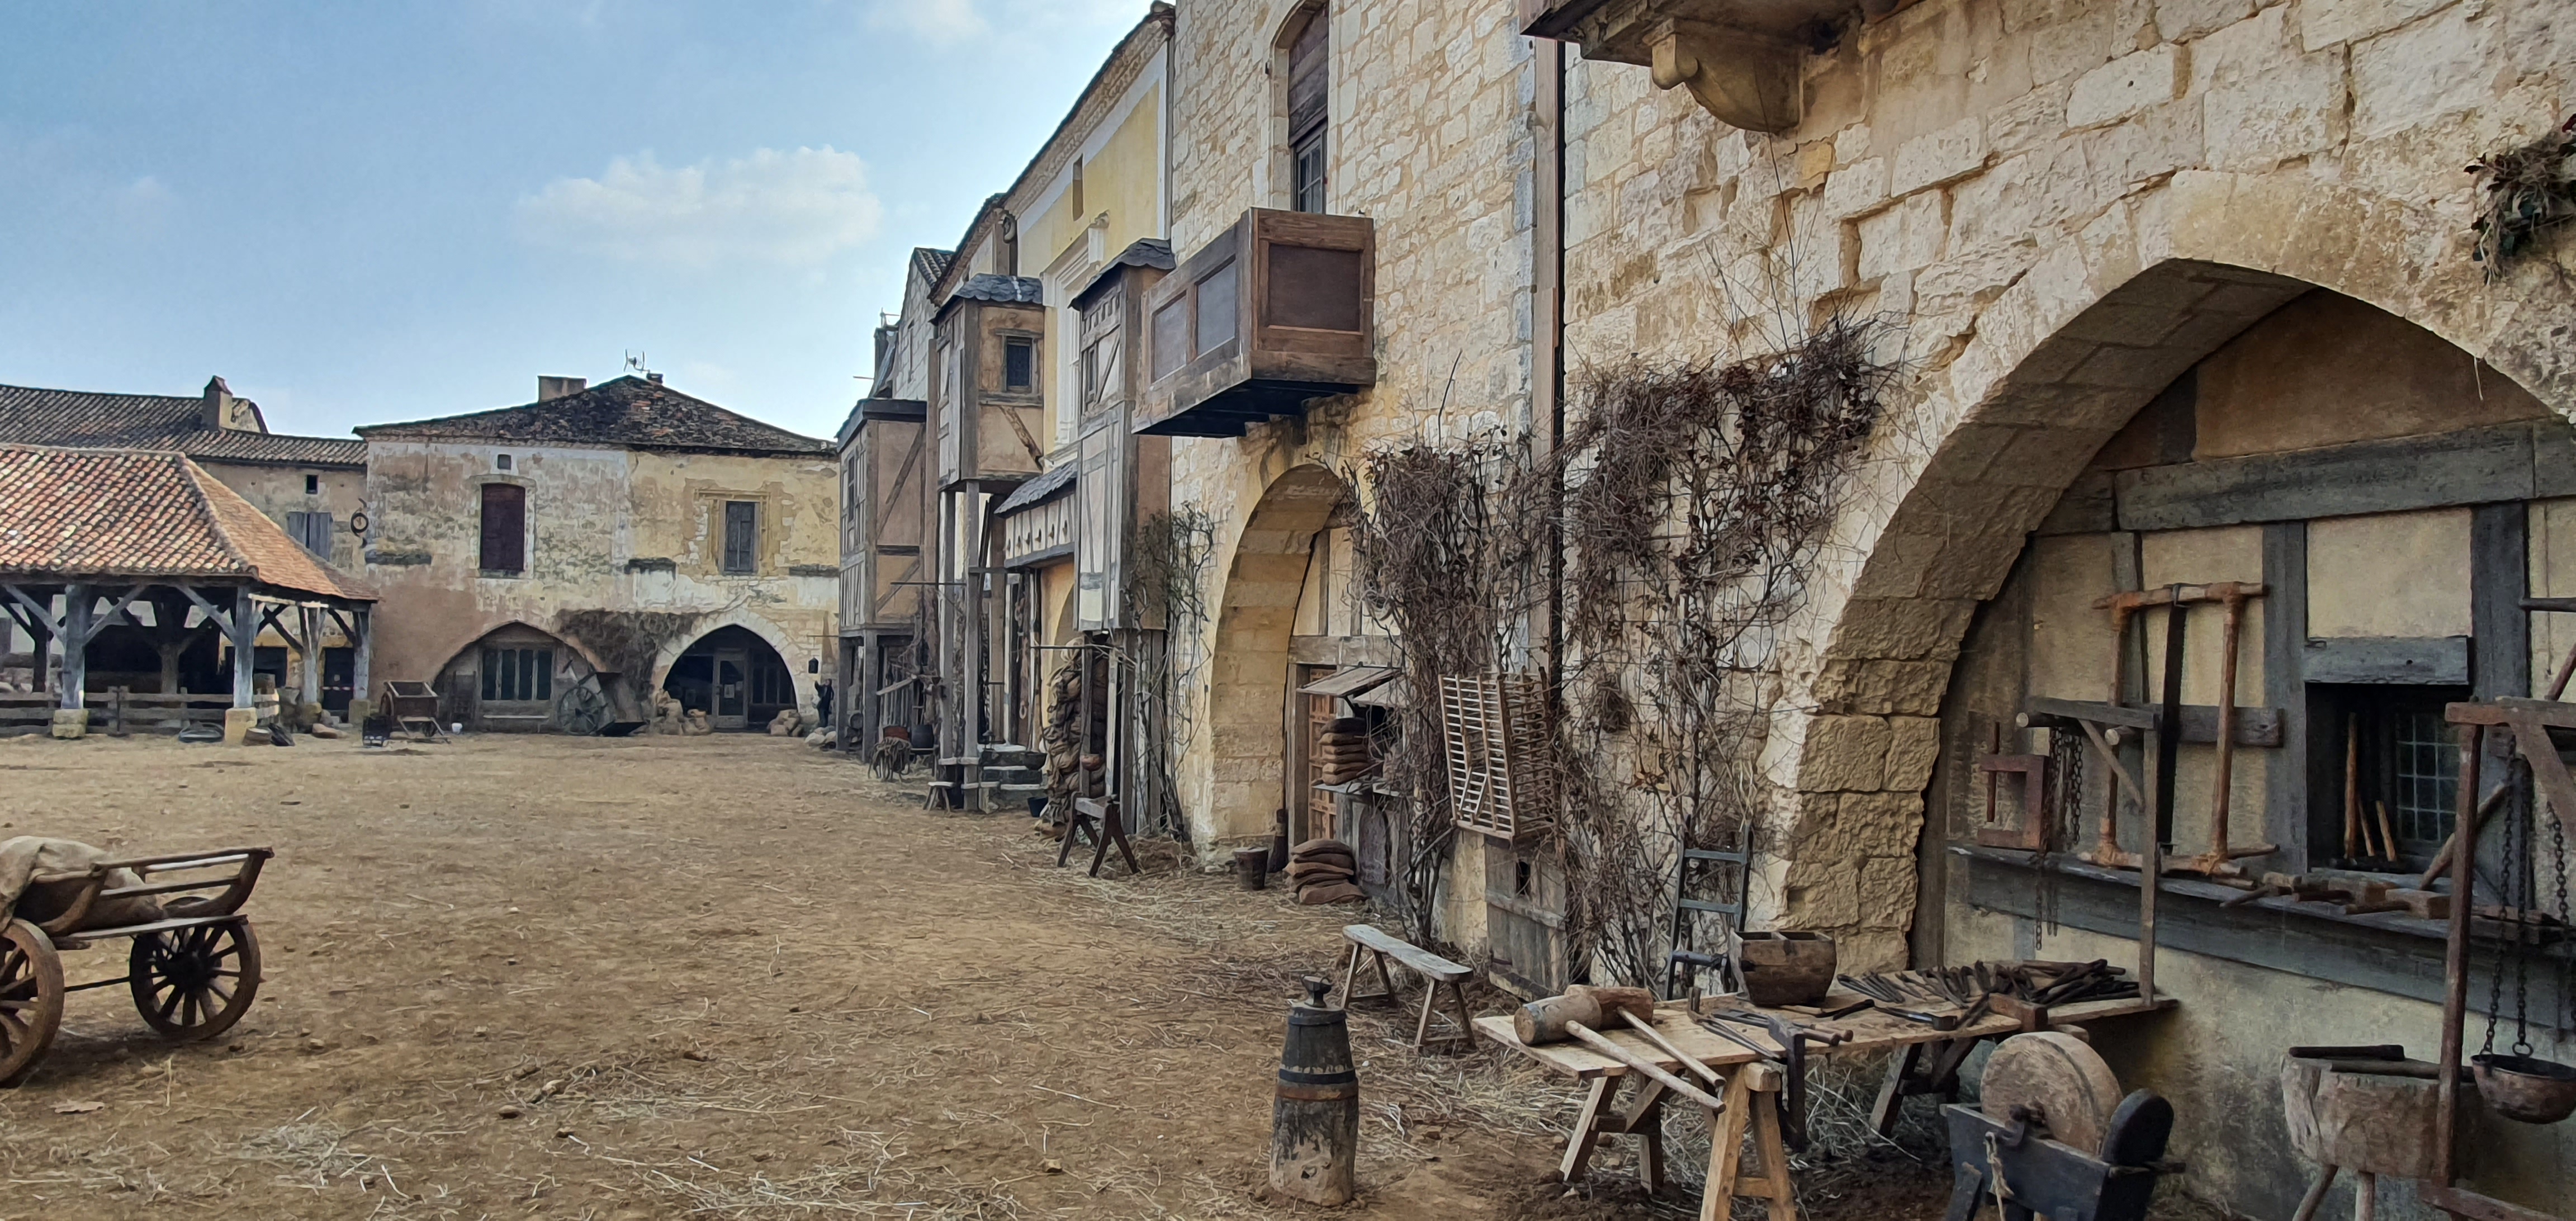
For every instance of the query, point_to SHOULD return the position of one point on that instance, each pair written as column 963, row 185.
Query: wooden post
column 311, row 620
column 245, row 634
column 363, row 627
column 78, row 606
column 2455, row 957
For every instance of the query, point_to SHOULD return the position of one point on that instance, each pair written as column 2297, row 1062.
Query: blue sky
column 392, row 209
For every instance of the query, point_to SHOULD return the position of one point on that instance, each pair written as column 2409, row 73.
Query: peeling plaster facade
column 608, row 528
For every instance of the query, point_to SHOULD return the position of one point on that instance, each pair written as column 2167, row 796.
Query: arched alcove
column 1256, row 617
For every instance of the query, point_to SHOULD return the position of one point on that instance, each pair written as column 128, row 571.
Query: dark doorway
column 733, row 676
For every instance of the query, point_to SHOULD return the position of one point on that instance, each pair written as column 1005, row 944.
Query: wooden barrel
column 1315, row 1122
column 1252, row 867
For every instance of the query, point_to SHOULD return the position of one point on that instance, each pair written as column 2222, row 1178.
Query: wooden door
column 733, row 673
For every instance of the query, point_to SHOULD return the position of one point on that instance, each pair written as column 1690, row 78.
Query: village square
column 1836, row 609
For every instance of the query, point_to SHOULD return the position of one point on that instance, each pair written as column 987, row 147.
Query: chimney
column 550, row 388
column 885, row 342
column 218, row 409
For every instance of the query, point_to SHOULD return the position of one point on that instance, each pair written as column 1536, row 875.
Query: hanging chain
column 2495, row 976
column 2520, row 883
column 2566, row 966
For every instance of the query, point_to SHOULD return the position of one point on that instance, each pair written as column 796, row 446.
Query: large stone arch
column 449, row 648
column 2057, row 364
column 750, row 621
column 1247, row 705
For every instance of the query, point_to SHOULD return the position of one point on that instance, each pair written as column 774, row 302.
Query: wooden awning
column 1349, row 681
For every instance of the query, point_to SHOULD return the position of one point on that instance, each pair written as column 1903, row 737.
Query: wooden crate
column 1501, row 774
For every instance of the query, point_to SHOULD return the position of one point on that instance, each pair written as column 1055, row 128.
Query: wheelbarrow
column 192, row 973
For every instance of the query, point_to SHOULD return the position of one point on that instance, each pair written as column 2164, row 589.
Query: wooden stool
column 1762, row 1173
column 1438, row 975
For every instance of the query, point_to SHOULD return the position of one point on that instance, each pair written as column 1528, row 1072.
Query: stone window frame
column 1279, row 163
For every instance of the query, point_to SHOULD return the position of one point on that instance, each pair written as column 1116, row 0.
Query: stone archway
column 769, row 634
column 1248, row 701
column 2056, row 365
column 510, row 677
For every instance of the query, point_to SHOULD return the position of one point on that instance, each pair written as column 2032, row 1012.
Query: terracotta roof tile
column 120, row 513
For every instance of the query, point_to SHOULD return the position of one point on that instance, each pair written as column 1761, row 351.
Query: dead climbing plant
column 2525, row 191
column 1164, row 564
column 1687, row 506
column 628, row 643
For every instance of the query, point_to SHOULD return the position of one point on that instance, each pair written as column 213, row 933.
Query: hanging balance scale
column 2517, row 1084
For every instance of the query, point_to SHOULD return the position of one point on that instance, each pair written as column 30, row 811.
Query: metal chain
column 2520, row 884
column 2566, row 967
column 2495, row 977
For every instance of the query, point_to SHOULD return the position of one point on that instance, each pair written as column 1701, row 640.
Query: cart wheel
column 194, row 983
column 31, row 998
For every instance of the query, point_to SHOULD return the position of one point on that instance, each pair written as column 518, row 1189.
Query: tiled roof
column 1151, row 252
column 1006, row 290
column 33, row 416
column 110, row 514
column 932, row 263
column 1037, row 491
column 629, row 411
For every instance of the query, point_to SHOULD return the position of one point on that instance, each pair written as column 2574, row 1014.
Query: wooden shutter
column 505, row 528
column 1309, row 75
column 741, row 535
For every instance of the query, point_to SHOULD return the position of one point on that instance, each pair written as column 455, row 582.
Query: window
column 312, row 530
column 1019, row 364
column 771, row 683
column 742, row 536
column 505, row 529
column 1309, row 92
column 312, row 485
column 501, row 462
column 518, row 675
column 2384, row 753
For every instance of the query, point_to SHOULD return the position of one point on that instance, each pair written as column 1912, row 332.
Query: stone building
column 563, row 560
column 313, row 488
column 980, row 543
column 2178, row 293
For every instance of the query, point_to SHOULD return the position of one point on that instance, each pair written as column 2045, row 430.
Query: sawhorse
column 1099, row 822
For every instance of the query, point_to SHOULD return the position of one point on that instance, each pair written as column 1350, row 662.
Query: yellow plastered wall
column 2389, row 574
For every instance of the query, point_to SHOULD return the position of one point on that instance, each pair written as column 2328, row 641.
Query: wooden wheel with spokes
column 31, row 998
column 194, row 983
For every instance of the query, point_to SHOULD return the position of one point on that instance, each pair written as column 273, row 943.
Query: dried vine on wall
column 1165, row 565
column 1445, row 549
column 628, row 643
column 1686, row 506
column 1696, row 497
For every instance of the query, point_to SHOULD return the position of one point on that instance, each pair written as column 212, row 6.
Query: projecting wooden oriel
column 1277, row 310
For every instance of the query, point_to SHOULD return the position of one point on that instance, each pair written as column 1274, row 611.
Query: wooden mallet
column 1574, row 1015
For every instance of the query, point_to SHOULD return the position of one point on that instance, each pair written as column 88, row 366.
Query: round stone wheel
column 194, row 983
column 31, row 998
column 2059, row 1076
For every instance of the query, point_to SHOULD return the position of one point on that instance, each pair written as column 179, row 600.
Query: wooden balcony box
column 1739, row 58
column 1275, row 311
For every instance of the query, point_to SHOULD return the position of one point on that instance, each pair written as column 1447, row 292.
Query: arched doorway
column 1255, row 723
column 734, row 676
column 520, row 679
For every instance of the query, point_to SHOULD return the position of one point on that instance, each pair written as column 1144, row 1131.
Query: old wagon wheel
column 194, row 983
column 581, row 710
column 31, row 998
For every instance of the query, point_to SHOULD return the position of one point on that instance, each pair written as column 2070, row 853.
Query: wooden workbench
column 1871, row 1030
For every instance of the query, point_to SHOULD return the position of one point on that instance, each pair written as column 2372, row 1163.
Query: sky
column 396, row 209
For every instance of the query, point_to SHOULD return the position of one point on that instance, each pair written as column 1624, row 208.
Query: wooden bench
column 1437, row 973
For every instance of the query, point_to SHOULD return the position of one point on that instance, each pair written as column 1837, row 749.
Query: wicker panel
column 1495, row 727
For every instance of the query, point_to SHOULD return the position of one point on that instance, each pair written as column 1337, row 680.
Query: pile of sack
column 1342, row 750
column 1325, row 871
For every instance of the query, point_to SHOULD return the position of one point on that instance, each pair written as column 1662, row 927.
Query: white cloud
column 944, row 22
column 772, row 207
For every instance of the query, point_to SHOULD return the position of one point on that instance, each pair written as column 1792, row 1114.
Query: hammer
column 1555, row 1019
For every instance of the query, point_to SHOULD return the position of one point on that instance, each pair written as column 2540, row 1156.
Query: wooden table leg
column 1774, row 1171
column 1648, row 1124
column 1726, row 1148
column 1752, row 1102
column 1891, row 1092
column 2316, row 1194
column 1587, row 1129
column 1350, row 975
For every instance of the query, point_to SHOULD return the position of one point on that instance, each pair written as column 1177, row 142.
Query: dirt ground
column 728, row 977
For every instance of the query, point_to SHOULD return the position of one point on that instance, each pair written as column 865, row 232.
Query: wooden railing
column 146, row 713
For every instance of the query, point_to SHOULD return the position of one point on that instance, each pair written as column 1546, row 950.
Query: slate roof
column 931, row 262
column 631, row 412
column 1005, row 290
column 1151, row 252
column 82, row 418
column 124, row 513
column 1037, row 491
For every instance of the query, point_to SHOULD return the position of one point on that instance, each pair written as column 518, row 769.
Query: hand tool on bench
column 1792, row 1038
column 1573, row 1015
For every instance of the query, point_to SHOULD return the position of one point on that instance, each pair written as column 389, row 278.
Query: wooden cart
column 414, row 709
column 192, row 973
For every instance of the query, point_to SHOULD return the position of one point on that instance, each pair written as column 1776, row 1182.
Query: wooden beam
column 2477, row 466
column 2387, row 660
column 243, row 627
column 78, row 602
column 221, row 618
column 43, row 615
column 2254, row 726
column 2460, row 1202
